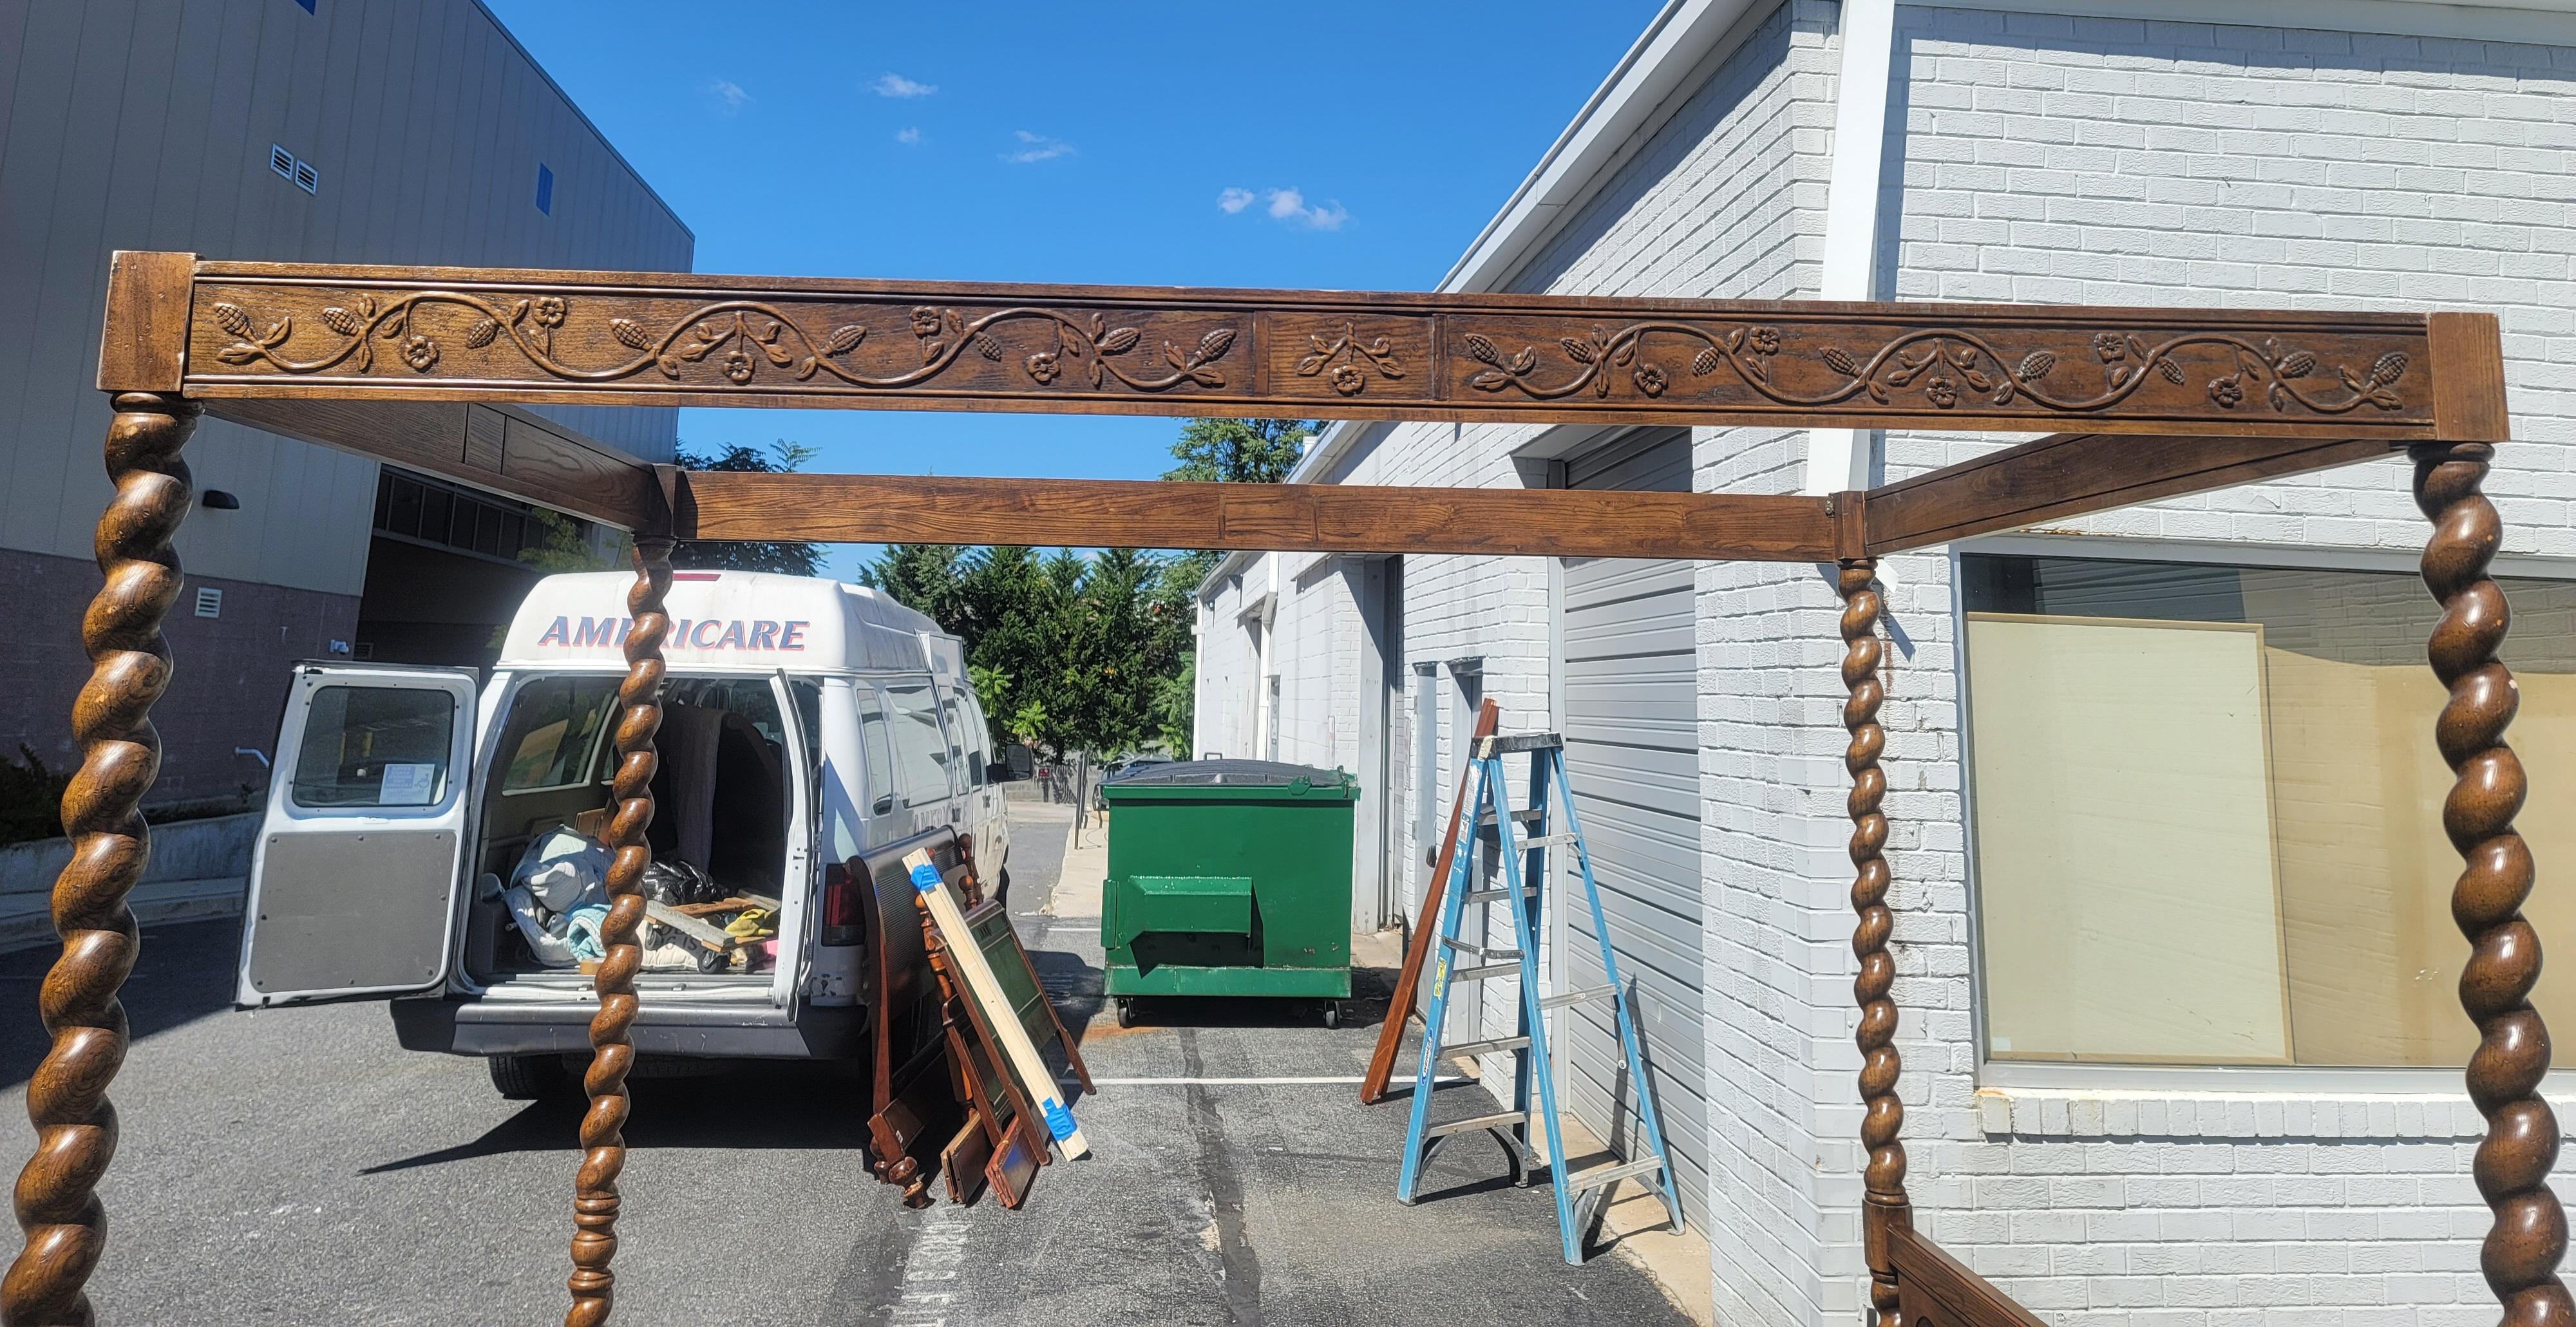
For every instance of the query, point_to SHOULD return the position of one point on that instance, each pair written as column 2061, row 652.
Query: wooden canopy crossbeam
column 426, row 367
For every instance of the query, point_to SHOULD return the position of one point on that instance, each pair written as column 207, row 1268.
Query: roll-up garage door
column 1632, row 754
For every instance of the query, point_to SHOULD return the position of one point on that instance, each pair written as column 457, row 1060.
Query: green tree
column 1239, row 451
column 793, row 558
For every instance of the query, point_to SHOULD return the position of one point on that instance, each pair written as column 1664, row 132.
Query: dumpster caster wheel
column 1332, row 1014
column 1126, row 1013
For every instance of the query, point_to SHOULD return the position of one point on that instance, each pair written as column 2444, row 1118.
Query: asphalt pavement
column 296, row 1166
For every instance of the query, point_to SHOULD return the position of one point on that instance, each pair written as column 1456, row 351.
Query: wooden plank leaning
column 1399, row 1006
column 986, row 988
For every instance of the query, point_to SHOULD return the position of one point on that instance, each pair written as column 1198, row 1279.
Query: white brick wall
column 2038, row 159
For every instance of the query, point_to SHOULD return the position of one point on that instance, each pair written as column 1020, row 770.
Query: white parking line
column 1239, row 1082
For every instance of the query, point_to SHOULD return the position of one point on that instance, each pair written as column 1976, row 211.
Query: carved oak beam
column 462, row 334
column 1329, row 518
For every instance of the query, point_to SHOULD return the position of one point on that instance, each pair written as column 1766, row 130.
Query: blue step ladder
column 1521, row 840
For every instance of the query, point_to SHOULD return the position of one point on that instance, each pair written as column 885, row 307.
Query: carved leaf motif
column 278, row 331
column 240, row 352
column 1627, row 351
column 518, row 313
column 844, row 339
column 988, row 346
column 2297, row 364
column 956, row 324
column 1310, row 366
column 1839, row 362
column 1120, row 342
column 1704, row 363
column 1322, row 346
column 394, row 324
column 2172, row 371
column 1524, row 361
column 232, row 319
column 932, row 350
column 776, row 355
column 481, row 333
column 366, row 306
column 1756, row 368
column 1476, row 346
column 340, row 320
column 2390, row 368
column 629, row 332
column 1097, row 323
column 2035, row 366
column 1490, row 380
column 1172, row 355
column 2120, row 375
column 1214, row 345
column 1977, row 380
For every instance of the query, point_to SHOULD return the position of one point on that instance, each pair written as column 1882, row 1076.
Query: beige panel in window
column 2366, row 870
column 2126, row 879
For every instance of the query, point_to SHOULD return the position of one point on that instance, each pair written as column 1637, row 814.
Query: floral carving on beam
column 260, row 330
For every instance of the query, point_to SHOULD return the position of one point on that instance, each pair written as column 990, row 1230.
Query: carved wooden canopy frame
column 394, row 362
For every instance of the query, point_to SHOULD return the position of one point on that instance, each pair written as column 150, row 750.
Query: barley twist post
column 2529, row 1236
column 57, row 1200
column 1883, row 1115
column 603, row 1141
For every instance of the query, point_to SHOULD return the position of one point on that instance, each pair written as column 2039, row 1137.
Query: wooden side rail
column 1934, row 1289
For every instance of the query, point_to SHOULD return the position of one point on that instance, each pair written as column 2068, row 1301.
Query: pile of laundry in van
column 558, row 896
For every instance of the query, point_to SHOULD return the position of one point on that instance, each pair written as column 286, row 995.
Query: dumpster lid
column 1241, row 773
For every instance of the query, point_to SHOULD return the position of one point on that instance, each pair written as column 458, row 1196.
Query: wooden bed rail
column 429, row 368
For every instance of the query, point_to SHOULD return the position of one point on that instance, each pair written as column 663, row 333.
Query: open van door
column 353, row 883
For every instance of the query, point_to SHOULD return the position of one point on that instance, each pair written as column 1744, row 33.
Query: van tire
column 1002, row 886
column 528, row 1077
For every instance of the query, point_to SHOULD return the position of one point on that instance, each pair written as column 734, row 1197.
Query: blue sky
column 1338, row 145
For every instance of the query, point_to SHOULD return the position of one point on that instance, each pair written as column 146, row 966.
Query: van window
column 920, row 752
column 957, row 765
column 978, row 741
column 879, row 756
column 552, row 740
column 374, row 746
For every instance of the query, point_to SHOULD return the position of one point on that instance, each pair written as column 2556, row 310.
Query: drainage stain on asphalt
column 1237, row 1262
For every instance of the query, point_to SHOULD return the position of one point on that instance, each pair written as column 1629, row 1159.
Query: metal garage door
column 1632, row 754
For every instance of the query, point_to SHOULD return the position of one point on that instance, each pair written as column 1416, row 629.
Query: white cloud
column 1286, row 205
column 907, row 137
column 1038, row 147
column 896, row 85
column 731, row 94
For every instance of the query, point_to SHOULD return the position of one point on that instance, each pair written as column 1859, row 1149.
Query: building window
column 310, row 6
column 2208, row 811
column 545, row 189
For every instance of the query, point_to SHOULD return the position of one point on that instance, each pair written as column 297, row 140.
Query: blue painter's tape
column 1059, row 1120
column 925, row 877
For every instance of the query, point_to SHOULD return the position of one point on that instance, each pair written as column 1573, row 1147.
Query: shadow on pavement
column 184, row 973
column 757, row 1105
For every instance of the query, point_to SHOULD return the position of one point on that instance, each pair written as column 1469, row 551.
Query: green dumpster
column 1229, row 877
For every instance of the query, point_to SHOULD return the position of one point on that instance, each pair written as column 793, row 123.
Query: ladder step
column 1489, row 895
column 1530, row 815
column 1612, row 1174
column 1503, row 746
column 1488, row 970
column 1546, row 841
column 1481, row 1047
column 1576, row 997
column 1479, row 951
column 1478, row 1122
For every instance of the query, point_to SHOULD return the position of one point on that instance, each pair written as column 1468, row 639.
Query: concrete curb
column 26, row 920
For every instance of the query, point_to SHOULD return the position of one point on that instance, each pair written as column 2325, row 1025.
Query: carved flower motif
column 925, row 321
column 1765, row 340
column 2227, row 392
column 547, row 310
column 1944, row 393
column 2110, row 347
column 738, row 366
column 1043, row 366
column 1651, row 380
column 420, row 352
column 1348, row 380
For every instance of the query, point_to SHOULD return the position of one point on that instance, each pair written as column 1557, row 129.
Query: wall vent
column 210, row 601
column 545, row 189
column 306, row 178
column 281, row 161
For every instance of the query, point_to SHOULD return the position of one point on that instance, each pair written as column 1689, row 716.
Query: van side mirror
column 1018, row 762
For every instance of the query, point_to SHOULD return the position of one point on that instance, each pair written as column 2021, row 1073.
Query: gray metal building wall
column 147, row 124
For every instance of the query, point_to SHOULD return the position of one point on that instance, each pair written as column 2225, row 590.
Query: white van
column 803, row 721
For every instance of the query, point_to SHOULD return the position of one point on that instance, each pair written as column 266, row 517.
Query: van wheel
column 527, row 1077
column 1332, row 1014
column 1002, row 886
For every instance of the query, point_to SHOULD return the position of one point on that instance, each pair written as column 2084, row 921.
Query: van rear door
column 354, row 880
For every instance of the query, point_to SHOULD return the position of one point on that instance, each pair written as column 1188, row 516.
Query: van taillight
column 845, row 907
